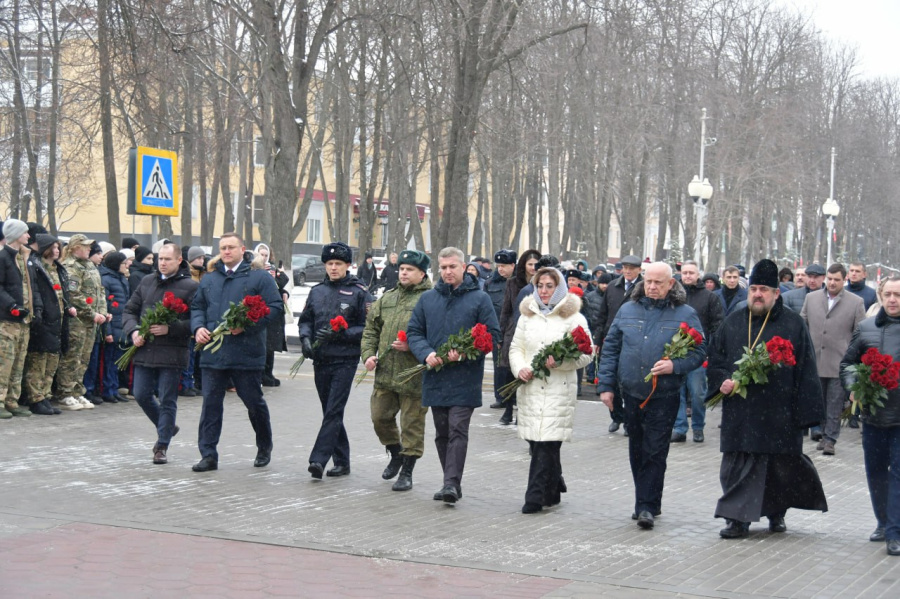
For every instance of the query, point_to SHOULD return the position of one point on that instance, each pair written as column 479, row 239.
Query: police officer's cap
column 575, row 274
column 337, row 251
column 415, row 258
column 505, row 257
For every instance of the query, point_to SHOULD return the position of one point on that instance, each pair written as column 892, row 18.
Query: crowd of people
column 659, row 344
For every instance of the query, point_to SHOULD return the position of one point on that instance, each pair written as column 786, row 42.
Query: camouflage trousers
column 74, row 363
column 385, row 405
column 40, row 368
column 13, row 348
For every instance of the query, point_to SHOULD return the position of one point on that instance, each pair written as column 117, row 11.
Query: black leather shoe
column 270, row 381
column 878, row 535
column 439, row 496
column 121, row 398
column 613, row 426
column 52, row 407
column 679, row 437
column 645, row 520
column 497, row 406
column 449, row 494
column 189, row 392
column 110, row 399
column 776, row 524
column 815, row 436
column 735, row 530
column 893, row 547
column 339, row 471
column 854, row 421
column 634, row 515
column 263, row 457
column 205, row 465
column 316, row 469
column 698, row 437
column 531, row 508
column 41, row 408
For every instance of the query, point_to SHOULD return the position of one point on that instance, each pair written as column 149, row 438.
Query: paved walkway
column 84, row 513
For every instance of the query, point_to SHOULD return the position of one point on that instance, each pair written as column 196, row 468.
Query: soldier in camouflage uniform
column 387, row 354
column 19, row 305
column 87, row 297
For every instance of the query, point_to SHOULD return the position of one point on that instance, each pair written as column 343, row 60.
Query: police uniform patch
column 344, row 306
column 344, row 292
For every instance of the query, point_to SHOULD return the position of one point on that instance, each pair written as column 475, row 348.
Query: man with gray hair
column 451, row 387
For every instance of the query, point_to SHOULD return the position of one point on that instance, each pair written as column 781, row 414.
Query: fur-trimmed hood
column 256, row 262
column 564, row 309
column 676, row 296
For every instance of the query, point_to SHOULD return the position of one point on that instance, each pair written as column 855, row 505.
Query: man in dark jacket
column 815, row 278
column 709, row 310
column 335, row 353
column 617, row 293
column 453, row 391
column 495, row 287
column 856, row 284
column 881, row 427
column 731, row 294
column 764, row 471
column 367, row 273
column 162, row 355
column 632, row 350
column 242, row 356
column 390, row 274
column 20, row 305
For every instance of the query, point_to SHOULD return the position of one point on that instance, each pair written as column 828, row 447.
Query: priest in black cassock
column 764, row 471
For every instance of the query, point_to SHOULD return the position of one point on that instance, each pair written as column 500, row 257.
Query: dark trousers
column 502, row 376
column 161, row 414
column 649, row 434
column 248, row 385
column 187, row 375
column 544, row 474
column 333, row 383
column 451, row 428
column 91, row 379
column 617, row 414
column 111, row 353
column 881, row 448
column 270, row 365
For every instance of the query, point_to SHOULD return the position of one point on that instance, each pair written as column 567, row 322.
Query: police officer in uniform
column 89, row 300
column 495, row 287
column 335, row 352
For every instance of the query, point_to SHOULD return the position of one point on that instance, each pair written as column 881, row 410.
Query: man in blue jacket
column 335, row 354
column 633, row 349
column 731, row 294
column 454, row 391
column 242, row 356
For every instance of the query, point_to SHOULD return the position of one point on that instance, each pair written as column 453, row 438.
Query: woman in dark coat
column 275, row 339
column 113, row 273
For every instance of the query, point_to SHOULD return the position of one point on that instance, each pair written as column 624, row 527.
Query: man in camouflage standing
column 384, row 351
column 19, row 304
column 87, row 297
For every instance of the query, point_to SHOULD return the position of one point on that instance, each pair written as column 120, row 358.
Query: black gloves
column 306, row 347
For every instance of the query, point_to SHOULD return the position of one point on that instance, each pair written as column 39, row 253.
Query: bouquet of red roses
column 401, row 336
column 756, row 364
column 684, row 341
column 470, row 344
column 573, row 345
column 875, row 376
column 164, row 312
column 247, row 313
column 336, row 326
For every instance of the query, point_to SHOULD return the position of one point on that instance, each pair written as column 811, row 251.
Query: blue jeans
column 162, row 414
column 881, row 448
column 248, row 384
column 187, row 375
column 91, row 379
column 694, row 384
column 110, row 385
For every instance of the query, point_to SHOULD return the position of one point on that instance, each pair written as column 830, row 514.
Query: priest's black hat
column 765, row 272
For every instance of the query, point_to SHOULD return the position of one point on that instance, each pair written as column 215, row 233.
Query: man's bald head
column 658, row 280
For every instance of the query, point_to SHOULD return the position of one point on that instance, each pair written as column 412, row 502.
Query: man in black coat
column 617, row 293
column 495, row 287
column 815, row 278
column 764, row 471
column 390, row 275
column 709, row 309
column 163, row 354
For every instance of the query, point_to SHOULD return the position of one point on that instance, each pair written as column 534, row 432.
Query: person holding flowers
column 157, row 321
column 765, row 409
column 634, row 364
column 876, row 344
column 385, row 349
column 547, row 405
column 451, row 386
column 241, row 356
column 331, row 329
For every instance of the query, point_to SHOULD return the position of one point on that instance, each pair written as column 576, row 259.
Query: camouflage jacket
column 390, row 314
column 86, row 292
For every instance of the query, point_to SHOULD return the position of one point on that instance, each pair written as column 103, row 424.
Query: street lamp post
column 700, row 189
column 830, row 209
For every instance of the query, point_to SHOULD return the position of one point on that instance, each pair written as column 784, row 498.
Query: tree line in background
column 589, row 109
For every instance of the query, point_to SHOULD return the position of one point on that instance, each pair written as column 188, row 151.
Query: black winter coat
column 591, row 304
column 167, row 351
column 613, row 299
column 11, row 285
column 772, row 417
column 509, row 313
column 740, row 295
column 51, row 334
column 138, row 272
column 349, row 298
column 117, row 293
column 367, row 275
column 883, row 333
column 390, row 276
column 708, row 307
column 495, row 287
column 275, row 340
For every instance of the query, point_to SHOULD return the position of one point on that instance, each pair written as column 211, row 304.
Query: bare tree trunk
column 106, row 125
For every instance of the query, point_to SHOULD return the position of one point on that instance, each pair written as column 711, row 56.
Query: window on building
column 314, row 230
column 31, row 66
column 258, row 209
column 259, row 155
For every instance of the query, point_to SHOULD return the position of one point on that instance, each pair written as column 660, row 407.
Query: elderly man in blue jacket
column 242, row 356
column 632, row 350
column 454, row 391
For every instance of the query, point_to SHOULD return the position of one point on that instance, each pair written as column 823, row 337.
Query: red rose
column 56, row 287
column 576, row 291
column 401, row 336
column 696, row 336
column 705, row 364
column 684, row 326
column 89, row 300
column 14, row 312
column 338, row 324
column 115, row 304
column 596, row 380
column 110, row 297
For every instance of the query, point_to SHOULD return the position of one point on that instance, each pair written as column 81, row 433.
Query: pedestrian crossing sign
column 155, row 182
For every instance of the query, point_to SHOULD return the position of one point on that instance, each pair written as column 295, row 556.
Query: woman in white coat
column 546, row 407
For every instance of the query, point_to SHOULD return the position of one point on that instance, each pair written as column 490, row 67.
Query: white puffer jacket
column 547, row 408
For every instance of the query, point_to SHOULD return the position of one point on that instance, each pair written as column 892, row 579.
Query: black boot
column 404, row 481
column 393, row 466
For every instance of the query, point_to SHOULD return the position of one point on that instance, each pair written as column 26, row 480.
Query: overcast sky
column 872, row 25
